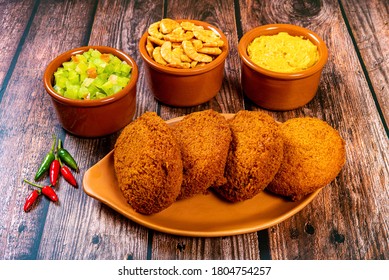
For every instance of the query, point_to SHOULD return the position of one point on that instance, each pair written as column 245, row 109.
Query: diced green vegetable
column 92, row 75
column 61, row 81
column 100, row 95
column 95, row 53
column 69, row 65
column 125, row 69
column 81, row 67
column 74, row 78
column 122, row 81
column 83, row 92
column 71, row 91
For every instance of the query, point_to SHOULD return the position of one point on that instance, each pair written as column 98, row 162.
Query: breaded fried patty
column 255, row 155
column 314, row 155
column 148, row 164
column 204, row 138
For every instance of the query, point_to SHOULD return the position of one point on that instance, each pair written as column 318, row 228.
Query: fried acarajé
column 148, row 164
column 314, row 155
column 204, row 138
column 256, row 152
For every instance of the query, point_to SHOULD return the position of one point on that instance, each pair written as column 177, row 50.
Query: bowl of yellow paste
column 281, row 65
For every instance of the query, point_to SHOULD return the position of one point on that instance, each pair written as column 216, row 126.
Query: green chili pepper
column 66, row 157
column 46, row 161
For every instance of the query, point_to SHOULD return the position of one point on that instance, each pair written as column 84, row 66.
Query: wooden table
column 349, row 219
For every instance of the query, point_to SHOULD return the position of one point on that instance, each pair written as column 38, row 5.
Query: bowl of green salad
column 93, row 90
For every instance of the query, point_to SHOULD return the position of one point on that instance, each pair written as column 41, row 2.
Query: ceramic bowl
column 280, row 91
column 93, row 118
column 185, row 87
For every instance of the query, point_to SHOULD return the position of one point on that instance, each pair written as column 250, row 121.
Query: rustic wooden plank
column 358, row 198
column 15, row 16
column 238, row 247
column 229, row 100
column 369, row 24
column 27, row 122
column 118, row 24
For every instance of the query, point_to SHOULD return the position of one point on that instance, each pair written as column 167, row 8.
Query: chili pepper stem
column 59, row 144
column 54, row 142
column 32, row 184
column 46, row 190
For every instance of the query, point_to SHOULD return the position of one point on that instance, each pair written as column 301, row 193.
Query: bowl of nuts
column 184, row 61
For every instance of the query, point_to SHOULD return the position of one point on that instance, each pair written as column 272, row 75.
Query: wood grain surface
column 347, row 220
column 368, row 25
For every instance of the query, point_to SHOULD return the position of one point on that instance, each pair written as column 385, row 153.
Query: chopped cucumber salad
column 92, row 75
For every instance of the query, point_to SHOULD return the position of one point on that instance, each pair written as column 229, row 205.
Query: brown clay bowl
column 185, row 87
column 93, row 118
column 280, row 91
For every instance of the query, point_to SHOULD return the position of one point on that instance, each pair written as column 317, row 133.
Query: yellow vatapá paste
column 283, row 53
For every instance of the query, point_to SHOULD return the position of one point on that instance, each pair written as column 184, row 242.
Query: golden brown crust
column 314, row 155
column 255, row 155
column 204, row 138
column 148, row 164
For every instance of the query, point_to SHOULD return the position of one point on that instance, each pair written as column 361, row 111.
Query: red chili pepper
column 54, row 171
column 46, row 190
column 67, row 174
column 50, row 193
column 30, row 200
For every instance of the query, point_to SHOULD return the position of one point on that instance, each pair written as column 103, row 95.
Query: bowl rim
column 249, row 36
column 192, row 71
column 65, row 56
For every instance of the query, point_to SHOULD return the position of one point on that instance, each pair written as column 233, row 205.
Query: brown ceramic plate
column 199, row 216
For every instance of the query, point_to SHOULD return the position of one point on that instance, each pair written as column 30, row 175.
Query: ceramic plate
column 199, row 216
